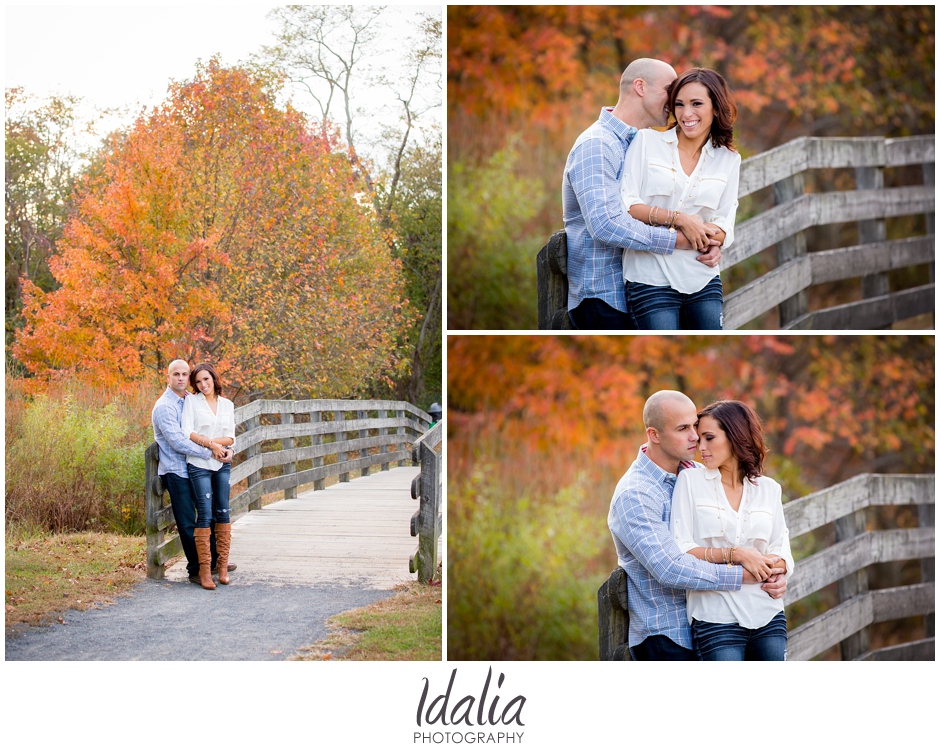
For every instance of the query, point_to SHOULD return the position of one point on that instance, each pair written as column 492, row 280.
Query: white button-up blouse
column 197, row 417
column 653, row 175
column 703, row 517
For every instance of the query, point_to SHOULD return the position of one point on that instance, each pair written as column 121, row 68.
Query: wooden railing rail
column 427, row 487
column 785, row 287
column 344, row 437
column 845, row 563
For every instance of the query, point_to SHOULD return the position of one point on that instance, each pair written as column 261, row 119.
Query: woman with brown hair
column 209, row 418
column 730, row 513
column 686, row 179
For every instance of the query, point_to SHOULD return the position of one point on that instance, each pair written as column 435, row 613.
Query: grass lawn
column 405, row 627
column 48, row 574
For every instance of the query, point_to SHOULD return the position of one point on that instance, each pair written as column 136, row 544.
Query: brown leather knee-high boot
column 201, row 535
column 223, row 543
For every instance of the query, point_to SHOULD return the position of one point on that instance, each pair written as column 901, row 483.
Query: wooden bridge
column 851, row 550
column 799, row 267
column 359, row 530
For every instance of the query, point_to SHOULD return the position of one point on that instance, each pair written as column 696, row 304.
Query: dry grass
column 405, row 627
column 48, row 574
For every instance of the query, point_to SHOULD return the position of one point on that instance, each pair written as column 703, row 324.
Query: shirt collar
column 623, row 130
column 712, row 473
column 671, row 136
column 664, row 475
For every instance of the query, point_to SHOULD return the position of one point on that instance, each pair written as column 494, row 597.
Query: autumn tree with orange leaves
column 222, row 227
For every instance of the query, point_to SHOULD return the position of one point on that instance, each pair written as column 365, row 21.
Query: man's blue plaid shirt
column 597, row 225
column 174, row 447
column 658, row 572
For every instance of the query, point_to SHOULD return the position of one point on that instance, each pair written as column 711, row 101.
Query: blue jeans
column 732, row 642
column 183, row 503
column 594, row 314
column 662, row 307
column 211, row 490
column 660, row 648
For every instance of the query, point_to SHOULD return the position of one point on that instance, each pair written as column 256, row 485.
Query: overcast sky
column 122, row 57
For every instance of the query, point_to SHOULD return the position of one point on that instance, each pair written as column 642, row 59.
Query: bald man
column 597, row 225
column 174, row 447
column 658, row 572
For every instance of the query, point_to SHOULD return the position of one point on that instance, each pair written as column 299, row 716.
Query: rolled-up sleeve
column 728, row 204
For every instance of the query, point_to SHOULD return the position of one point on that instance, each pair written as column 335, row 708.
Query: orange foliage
column 221, row 227
column 832, row 406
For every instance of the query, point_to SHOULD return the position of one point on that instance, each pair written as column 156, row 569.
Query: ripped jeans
column 211, row 491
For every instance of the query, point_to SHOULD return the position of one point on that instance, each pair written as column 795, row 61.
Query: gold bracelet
column 731, row 558
column 706, row 554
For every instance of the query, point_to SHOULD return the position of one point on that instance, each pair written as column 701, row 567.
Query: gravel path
column 165, row 620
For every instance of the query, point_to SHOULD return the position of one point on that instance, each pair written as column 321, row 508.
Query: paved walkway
column 299, row 562
column 352, row 533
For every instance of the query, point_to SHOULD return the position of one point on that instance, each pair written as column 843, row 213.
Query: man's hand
column 712, row 256
column 220, row 453
column 777, row 585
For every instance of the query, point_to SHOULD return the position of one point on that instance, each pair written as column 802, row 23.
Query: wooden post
column 928, row 169
column 426, row 523
column 613, row 618
column 791, row 248
column 386, row 449
column 872, row 231
column 551, row 266
column 343, row 455
column 855, row 584
column 401, row 432
column 287, row 445
column 925, row 514
column 252, row 451
column 363, row 452
column 153, row 504
column 316, row 440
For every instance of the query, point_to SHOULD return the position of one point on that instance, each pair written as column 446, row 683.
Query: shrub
column 516, row 582
column 74, row 463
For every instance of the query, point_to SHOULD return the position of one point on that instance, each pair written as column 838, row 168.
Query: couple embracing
column 706, row 550
column 647, row 213
column 195, row 435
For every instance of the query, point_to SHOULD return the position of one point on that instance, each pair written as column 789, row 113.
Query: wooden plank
column 767, row 291
column 325, row 427
column 871, row 313
column 845, row 152
column 829, row 629
column 822, row 507
column 306, row 406
column 774, row 165
column 883, row 256
column 918, row 650
column 909, row 151
column 901, row 489
column 872, row 231
column 851, row 556
column 782, row 221
column 889, row 604
column 432, row 438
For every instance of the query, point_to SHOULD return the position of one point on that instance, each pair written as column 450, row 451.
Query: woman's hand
column 754, row 562
column 693, row 228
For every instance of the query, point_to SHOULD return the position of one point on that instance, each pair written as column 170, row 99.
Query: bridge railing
column 844, row 563
column 427, row 488
column 784, row 225
column 288, row 444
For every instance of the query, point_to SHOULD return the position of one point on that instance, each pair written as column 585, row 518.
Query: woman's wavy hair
column 208, row 367
column 745, row 433
column 726, row 110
